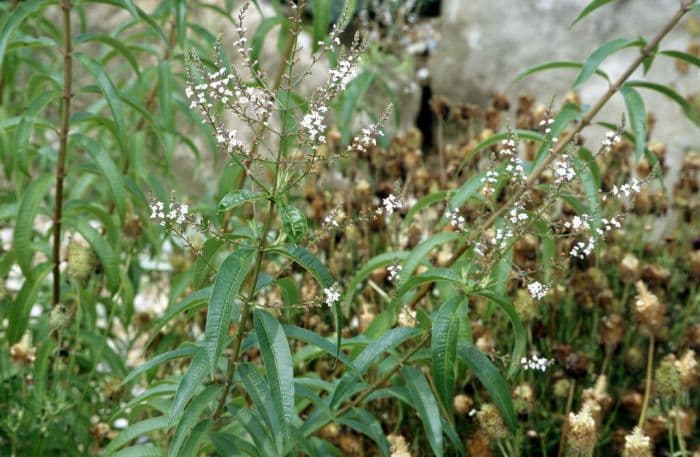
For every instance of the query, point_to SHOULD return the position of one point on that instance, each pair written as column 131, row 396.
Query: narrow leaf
column 426, row 405
column 443, row 350
column 24, row 225
column 228, row 282
column 278, row 364
column 189, row 384
column 638, row 118
column 594, row 5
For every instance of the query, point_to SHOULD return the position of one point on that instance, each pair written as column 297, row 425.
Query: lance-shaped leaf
column 491, row 379
column 190, row 382
column 445, row 333
column 278, row 365
column 638, row 118
column 228, row 282
column 426, row 405
column 24, row 224
column 293, row 222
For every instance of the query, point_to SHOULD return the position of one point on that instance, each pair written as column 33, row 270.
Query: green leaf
column 193, row 301
column 684, row 56
column 107, row 88
column 181, row 21
column 253, row 424
column 421, row 251
column 258, row 390
column 140, row 450
column 191, row 417
column 165, row 91
column 105, row 252
column 432, row 275
column 443, row 350
column 424, row 202
column 491, row 379
column 313, row 339
column 258, row 40
column 26, row 298
column 426, row 405
column 204, row 261
column 310, row 262
column 24, row 225
column 555, row 65
column 365, row 423
column 278, row 365
column 110, row 171
column 114, row 43
column 228, row 282
column 293, row 222
column 134, row 431
column 14, row 19
column 353, row 93
column 519, row 346
column 369, row 356
column 380, row 261
column 24, row 129
column 592, row 63
column 594, row 5
column 690, row 113
column 184, row 351
column 322, row 19
column 638, row 118
column 190, row 382
column 238, row 197
column 232, row 444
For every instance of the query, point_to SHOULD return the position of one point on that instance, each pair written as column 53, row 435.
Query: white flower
column 390, row 204
column 563, row 170
column 456, row 219
column 537, row 290
column 535, row 362
column 332, row 294
column 394, row 272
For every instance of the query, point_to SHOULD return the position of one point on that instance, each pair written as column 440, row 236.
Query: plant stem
column 62, row 148
column 585, row 121
column 287, row 61
column 647, row 388
column 681, row 440
column 565, row 425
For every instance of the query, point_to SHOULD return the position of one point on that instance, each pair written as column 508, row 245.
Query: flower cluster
column 394, row 271
column 501, row 237
column 456, row 220
column 390, row 204
column 579, row 223
column 517, row 214
column 176, row 215
column 368, row 138
column 332, row 294
column 314, row 123
column 515, row 166
column 536, row 362
column 564, row 170
column 626, row 189
column 228, row 140
column 537, row 290
column 490, row 179
column 611, row 139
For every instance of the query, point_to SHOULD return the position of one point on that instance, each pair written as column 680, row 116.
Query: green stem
column 62, row 148
column 647, row 388
column 287, row 61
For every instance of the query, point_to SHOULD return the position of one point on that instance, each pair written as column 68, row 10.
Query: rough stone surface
column 485, row 44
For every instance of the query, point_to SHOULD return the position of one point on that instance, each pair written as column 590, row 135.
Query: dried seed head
column 462, row 404
column 23, row 352
column 667, row 378
column 598, row 394
column 399, row 448
column 581, row 436
column 366, row 317
column 688, row 369
column 562, row 387
column 329, row 431
column 81, row 262
column 58, row 319
column 478, row 444
column 649, row 310
column 637, row 445
column 525, row 305
column 630, row 268
column 523, row 397
column 491, row 422
column 612, row 330
column 634, row 359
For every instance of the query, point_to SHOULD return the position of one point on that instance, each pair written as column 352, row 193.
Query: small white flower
column 332, row 294
column 537, row 290
column 394, row 272
column 390, row 204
